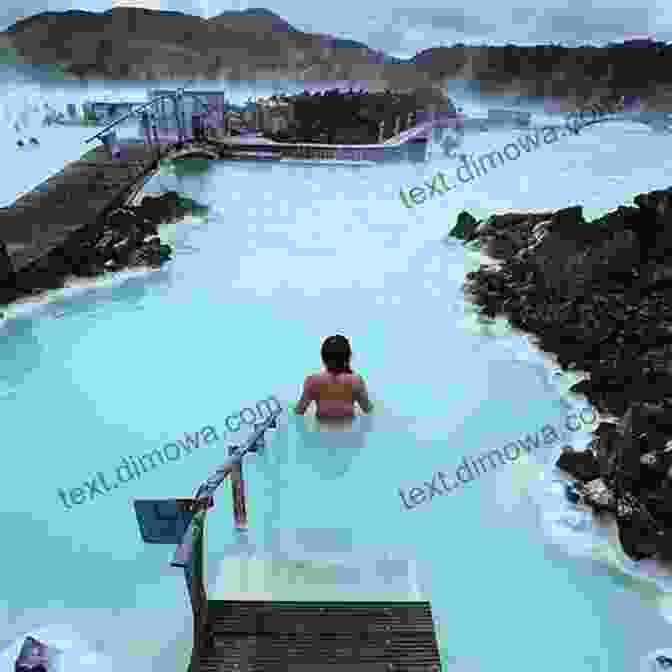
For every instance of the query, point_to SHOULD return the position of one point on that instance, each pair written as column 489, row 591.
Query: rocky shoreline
column 598, row 296
column 126, row 237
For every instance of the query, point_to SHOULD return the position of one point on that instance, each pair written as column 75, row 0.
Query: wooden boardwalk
column 70, row 205
column 72, row 201
column 320, row 636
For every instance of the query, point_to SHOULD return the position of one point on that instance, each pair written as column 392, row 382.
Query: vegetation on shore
column 353, row 117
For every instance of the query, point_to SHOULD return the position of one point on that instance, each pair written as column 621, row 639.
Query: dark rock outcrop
column 7, row 274
column 465, row 227
column 582, row 465
column 130, row 237
column 598, row 295
column 123, row 238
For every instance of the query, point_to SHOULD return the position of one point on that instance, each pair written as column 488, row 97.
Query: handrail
column 190, row 553
column 193, row 574
column 141, row 106
column 236, row 453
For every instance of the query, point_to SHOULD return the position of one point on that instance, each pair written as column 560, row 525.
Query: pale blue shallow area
column 287, row 256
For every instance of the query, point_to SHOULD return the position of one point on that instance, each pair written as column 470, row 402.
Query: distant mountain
column 26, row 22
column 575, row 75
column 13, row 67
column 253, row 19
column 127, row 43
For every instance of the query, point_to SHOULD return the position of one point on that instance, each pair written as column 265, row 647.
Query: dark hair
column 336, row 354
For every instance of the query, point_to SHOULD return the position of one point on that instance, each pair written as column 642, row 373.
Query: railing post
column 144, row 121
column 190, row 553
column 238, row 493
column 193, row 574
column 178, row 126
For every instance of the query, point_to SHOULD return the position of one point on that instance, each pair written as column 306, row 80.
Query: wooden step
column 258, row 636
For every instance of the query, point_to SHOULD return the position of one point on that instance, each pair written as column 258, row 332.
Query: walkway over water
column 422, row 129
column 658, row 121
column 72, row 200
column 75, row 199
column 397, row 146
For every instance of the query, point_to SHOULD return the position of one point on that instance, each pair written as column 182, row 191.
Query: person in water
column 336, row 389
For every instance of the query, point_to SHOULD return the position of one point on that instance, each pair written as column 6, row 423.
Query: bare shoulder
column 313, row 379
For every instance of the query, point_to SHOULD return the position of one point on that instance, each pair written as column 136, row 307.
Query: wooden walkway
column 69, row 206
column 320, row 637
column 72, row 201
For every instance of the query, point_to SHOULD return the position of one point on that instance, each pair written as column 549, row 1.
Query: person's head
column 336, row 354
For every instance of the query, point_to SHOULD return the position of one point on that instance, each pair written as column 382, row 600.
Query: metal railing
column 174, row 96
column 189, row 554
column 132, row 113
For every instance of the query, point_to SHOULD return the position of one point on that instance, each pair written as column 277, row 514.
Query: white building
column 209, row 105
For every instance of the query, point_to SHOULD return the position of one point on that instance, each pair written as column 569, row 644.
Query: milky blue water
column 288, row 255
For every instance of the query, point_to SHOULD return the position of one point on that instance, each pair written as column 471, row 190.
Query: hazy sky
column 401, row 29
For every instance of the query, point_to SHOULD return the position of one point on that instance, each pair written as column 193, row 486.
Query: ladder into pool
column 281, row 636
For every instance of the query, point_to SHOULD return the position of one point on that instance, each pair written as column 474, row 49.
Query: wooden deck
column 264, row 149
column 70, row 201
column 319, row 637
